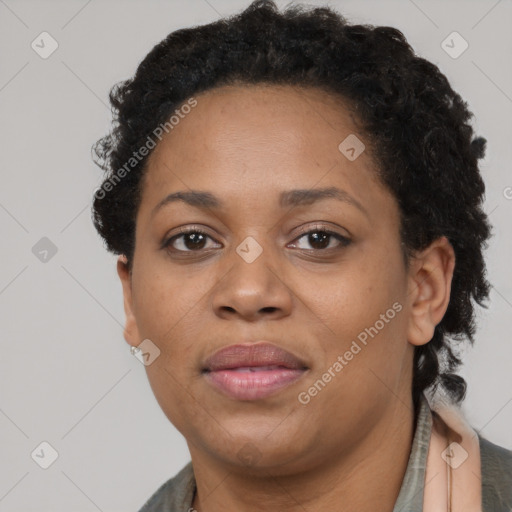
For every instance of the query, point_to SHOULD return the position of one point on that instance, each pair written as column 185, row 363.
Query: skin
column 350, row 444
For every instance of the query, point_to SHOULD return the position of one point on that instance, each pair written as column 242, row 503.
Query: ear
column 131, row 331
column 430, row 279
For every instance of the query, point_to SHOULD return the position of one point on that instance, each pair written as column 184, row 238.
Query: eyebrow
column 289, row 198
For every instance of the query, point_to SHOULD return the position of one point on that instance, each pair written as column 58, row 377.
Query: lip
column 261, row 353
column 252, row 371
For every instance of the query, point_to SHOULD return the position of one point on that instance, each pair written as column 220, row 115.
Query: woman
column 297, row 208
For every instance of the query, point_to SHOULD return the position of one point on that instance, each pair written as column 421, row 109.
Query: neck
column 368, row 477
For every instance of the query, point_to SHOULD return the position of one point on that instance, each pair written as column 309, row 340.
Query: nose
column 253, row 291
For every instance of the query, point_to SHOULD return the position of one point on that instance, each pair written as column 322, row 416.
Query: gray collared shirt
column 410, row 497
column 177, row 493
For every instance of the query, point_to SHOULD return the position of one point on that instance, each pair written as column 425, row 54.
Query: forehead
column 287, row 115
column 238, row 139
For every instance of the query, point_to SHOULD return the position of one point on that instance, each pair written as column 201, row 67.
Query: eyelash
column 344, row 241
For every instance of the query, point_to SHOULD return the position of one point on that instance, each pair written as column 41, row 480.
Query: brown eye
column 188, row 241
column 322, row 239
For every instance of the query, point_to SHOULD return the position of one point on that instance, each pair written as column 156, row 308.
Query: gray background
column 66, row 374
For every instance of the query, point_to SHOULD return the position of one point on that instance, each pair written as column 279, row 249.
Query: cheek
column 168, row 310
column 361, row 308
column 162, row 300
column 354, row 296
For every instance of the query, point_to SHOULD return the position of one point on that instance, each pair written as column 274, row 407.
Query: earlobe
column 430, row 278
column 131, row 332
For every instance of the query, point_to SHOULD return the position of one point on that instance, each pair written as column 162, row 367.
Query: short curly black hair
column 417, row 124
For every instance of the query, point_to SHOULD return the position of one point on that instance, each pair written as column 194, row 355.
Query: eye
column 193, row 239
column 189, row 240
column 320, row 239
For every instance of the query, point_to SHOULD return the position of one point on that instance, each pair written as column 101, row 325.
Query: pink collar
column 453, row 480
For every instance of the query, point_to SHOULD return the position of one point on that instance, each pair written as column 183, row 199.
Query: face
column 322, row 278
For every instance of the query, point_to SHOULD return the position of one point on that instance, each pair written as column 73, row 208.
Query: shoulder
column 496, row 463
column 175, row 494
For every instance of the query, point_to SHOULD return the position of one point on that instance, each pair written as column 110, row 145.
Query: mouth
column 252, row 371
